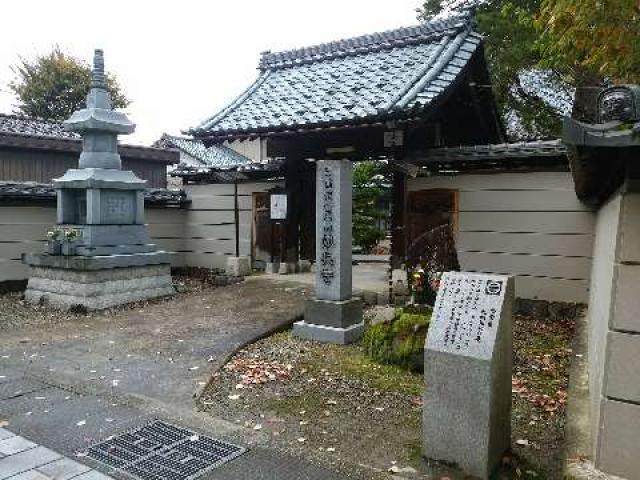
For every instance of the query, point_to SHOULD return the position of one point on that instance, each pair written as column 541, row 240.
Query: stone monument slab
column 467, row 365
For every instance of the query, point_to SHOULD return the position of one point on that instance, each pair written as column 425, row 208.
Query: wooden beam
column 398, row 218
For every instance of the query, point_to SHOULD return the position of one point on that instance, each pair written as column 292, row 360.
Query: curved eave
column 402, row 108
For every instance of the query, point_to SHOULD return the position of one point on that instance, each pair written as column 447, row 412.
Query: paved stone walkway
column 21, row 459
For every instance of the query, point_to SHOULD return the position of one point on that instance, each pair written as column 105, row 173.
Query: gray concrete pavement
column 370, row 277
column 66, row 386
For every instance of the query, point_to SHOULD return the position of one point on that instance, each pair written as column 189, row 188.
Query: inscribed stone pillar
column 333, row 315
column 333, row 229
column 467, row 368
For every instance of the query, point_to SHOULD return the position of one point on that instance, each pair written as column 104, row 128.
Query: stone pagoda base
column 97, row 282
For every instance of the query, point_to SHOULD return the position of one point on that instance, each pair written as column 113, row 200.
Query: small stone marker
column 467, row 368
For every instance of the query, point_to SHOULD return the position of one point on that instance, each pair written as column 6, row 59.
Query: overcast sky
column 181, row 61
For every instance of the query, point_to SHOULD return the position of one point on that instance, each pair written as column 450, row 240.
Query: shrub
column 399, row 342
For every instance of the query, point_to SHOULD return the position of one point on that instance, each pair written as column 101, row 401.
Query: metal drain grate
column 161, row 451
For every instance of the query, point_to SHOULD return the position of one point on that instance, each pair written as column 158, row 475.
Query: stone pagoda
column 109, row 258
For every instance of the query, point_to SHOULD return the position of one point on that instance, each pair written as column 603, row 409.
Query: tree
column 511, row 36
column 367, row 191
column 597, row 37
column 565, row 46
column 54, row 85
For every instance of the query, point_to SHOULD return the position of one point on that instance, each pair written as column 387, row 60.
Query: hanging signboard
column 278, row 206
column 393, row 138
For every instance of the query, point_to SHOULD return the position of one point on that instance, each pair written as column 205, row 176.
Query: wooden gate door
column 427, row 209
column 266, row 235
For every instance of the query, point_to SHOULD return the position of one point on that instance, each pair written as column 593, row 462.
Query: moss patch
column 399, row 342
column 351, row 361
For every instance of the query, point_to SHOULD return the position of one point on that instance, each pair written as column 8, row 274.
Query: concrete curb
column 256, row 338
column 578, row 416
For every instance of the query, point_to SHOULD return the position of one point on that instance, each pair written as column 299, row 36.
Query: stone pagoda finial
column 97, row 75
column 98, row 124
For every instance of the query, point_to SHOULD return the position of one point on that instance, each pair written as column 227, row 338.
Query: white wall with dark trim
column 530, row 225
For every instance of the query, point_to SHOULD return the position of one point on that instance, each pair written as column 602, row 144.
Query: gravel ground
column 15, row 313
column 331, row 404
column 321, row 401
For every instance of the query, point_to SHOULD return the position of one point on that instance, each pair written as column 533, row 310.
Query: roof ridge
column 387, row 39
column 20, row 116
column 230, row 107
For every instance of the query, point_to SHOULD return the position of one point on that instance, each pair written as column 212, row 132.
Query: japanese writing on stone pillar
column 327, row 240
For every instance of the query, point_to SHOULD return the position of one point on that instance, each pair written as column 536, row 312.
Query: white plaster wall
column 254, row 149
column 530, row 225
column 23, row 229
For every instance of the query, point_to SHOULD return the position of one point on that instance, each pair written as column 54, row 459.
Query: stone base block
column 337, row 314
column 326, row 334
column 304, row 266
column 97, row 289
column 287, row 268
column 272, row 267
column 618, row 449
column 238, row 266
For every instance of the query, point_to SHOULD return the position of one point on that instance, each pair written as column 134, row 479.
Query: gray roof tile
column 357, row 80
column 16, row 124
column 541, row 148
column 45, row 191
column 215, row 156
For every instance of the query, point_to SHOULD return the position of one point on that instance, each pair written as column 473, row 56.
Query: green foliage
column 367, row 191
column 521, row 35
column 598, row 38
column 54, row 85
column 399, row 342
column 510, row 46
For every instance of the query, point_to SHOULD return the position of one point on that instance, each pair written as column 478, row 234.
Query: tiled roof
column 45, row 191
column 16, row 124
column 215, row 156
column 35, row 133
column 355, row 81
column 543, row 154
column 245, row 171
column 542, row 148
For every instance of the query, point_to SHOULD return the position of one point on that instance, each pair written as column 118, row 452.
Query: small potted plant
column 54, row 241
column 71, row 240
